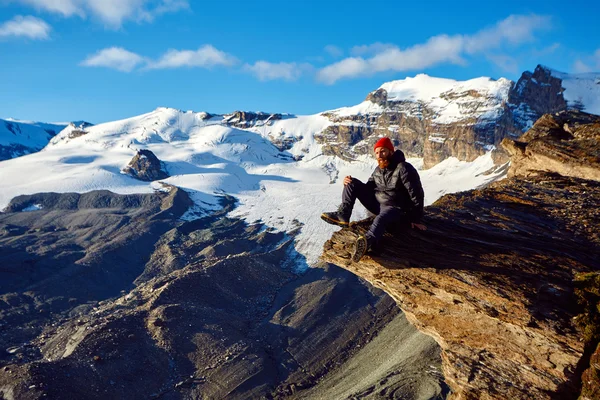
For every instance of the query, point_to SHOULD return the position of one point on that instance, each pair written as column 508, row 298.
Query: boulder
column 145, row 166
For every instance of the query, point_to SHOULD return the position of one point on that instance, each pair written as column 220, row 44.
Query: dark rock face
column 536, row 94
column 499, row 277
column 108, row 296
column 145, row 166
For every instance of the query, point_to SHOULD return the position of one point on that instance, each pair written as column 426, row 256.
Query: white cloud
column 545, row 50
column 370, row 49
column 266, row 71
column 205, row 57
column 581, row 67
column 28, row 26
column 514, row 30
column 437, row 49
column 114, row 58
column 504, row 62
column 111, row 12
column 65, row 7
column 591, row 63
column 334, row 51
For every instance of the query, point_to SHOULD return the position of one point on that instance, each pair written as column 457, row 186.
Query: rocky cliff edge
column 506, row 278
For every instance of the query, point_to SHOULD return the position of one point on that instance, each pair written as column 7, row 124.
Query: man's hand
column 419, row 227
column 347, row 180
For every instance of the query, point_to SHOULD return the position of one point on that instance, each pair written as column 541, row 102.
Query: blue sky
column 102, row 60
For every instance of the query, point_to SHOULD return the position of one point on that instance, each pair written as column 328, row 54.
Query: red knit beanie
column 385, row 142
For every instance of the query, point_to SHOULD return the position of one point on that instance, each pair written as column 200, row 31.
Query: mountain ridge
column 429, row 117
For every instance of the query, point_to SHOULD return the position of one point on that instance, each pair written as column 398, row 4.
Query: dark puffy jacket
column 399, row 185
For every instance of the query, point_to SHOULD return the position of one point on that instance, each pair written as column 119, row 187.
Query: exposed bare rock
column 247, row 119
column 75, row 133
column 145, row 166
column 567, row 143
column 378, row 96
column 492, row 281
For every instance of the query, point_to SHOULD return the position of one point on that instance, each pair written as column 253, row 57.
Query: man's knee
column 355, row 183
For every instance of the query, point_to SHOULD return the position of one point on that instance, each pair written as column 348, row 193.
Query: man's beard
column 383, row 162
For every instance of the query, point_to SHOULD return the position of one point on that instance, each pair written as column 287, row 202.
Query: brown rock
column 567, row 143
column 491, row 281
column 145, row 166
column 378, row 96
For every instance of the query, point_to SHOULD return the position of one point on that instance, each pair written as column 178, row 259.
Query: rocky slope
column 113, row 296
column 505, row 278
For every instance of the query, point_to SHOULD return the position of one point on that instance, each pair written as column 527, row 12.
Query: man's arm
column 411, row 181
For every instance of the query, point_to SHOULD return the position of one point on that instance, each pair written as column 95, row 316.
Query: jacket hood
column 398, row 157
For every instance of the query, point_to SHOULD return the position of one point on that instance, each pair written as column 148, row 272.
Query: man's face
column 383, row 156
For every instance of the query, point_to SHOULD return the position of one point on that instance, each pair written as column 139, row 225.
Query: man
column 393, row 193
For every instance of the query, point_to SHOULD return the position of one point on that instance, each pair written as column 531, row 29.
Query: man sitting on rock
column 393, row 193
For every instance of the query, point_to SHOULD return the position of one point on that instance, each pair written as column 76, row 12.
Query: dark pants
column 386, row 217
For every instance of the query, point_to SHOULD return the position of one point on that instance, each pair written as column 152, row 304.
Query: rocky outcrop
column 145, row 166
column 378, row 96
column 248, row 119
column 536, row 94
column 567, row 143
column 496, row 279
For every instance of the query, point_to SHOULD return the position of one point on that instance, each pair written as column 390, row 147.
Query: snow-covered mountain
column 284, row 185
column 23, row 137
column 285, row 169
column 438, row 118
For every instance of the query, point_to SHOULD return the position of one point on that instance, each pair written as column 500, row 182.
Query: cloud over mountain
column 512, row 31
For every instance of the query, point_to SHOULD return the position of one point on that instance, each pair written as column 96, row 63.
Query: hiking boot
column 339, row 217
column 360, row 248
